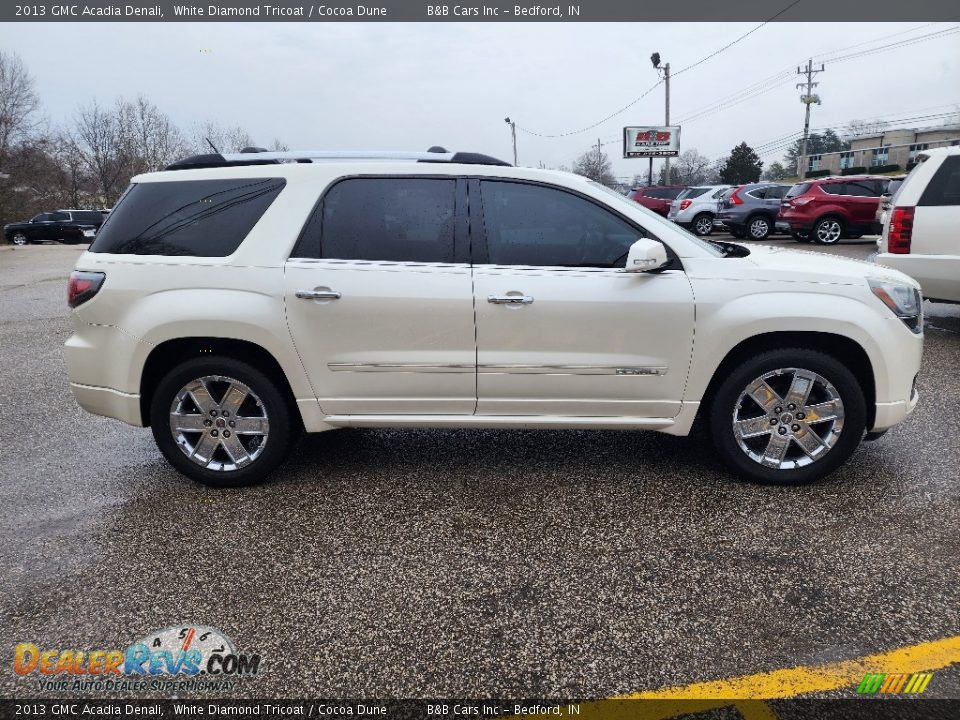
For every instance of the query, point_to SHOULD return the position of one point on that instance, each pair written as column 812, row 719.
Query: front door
column 379, row 298
column 561, row 330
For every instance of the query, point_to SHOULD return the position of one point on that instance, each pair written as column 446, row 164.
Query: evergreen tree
column 743, row 166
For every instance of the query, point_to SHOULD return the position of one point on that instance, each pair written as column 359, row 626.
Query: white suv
column 231, row 301
column 697, row 207
column 921, row 233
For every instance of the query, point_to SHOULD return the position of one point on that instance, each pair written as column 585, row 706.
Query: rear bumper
column 938, row 275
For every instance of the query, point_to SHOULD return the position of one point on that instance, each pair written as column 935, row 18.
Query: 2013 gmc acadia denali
column 233, row 300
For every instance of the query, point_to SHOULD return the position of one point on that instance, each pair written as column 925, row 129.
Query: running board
column 515, row 422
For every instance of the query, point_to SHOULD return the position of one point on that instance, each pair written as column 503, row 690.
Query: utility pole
column 513, row 134
column 599, row 162
column 666, row 80
column 808, row 99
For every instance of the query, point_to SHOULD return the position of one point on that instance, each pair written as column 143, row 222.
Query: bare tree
column 595, row 164
column 152, row 140
column 690, row 168
column 865, row 128
column 19, row 104
column 99, row 136
column 233, row 139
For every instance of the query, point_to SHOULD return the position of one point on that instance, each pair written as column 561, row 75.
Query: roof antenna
column 212, row 145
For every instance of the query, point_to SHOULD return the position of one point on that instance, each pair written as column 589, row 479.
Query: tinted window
column 535, row 225
column 892, row 187
column 837, row 188
column 863, row 188
column 42, row 217
column 658, row 193
column 672, row 193
column 203, row 218
column 944, row 186
column 797, row 190
column 775, row 192
column 87, row 216
column 691, row 193
column 58, row 216
column 383, row 219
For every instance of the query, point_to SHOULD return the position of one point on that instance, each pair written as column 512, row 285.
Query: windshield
column 710, row 247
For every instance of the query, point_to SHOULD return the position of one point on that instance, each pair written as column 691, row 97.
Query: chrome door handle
column 318, row 294
column 510, row 299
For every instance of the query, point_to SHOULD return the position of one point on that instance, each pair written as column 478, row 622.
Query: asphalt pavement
column 432, row 563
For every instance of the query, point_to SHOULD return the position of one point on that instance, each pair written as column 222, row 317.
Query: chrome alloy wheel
column 219, row 423
column 828, row 231
column 704, row 225
column 19, row 239
column 788, row 418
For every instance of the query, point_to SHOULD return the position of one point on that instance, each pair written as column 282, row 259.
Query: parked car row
column 69, row 226
column 823, row 210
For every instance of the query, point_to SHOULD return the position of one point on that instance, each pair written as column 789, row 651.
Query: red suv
column 827, row 209
column 657, row 197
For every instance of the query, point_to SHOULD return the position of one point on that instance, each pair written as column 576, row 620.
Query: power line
column 658, row 83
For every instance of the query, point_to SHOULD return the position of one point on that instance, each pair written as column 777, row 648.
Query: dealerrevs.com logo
column 179, row 659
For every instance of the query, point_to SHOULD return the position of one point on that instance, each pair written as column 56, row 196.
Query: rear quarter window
column 797, row 190
column 944, row 186
column 200, row 218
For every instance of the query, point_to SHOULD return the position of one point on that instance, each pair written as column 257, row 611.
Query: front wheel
column 703, row 224
column 828, row 231
column 19, row 239
column 221, row 422
column 788, row 417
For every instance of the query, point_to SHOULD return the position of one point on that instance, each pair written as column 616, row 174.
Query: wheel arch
column 844, row 349
column 171, row 353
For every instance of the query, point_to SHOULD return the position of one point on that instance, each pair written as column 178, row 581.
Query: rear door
column 561, row 329
column 863, row 198
column 380, row 301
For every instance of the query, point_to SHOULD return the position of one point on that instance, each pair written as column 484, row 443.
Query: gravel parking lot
column 467, row 563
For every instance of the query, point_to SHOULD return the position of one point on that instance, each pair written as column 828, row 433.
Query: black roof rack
column 259, row 156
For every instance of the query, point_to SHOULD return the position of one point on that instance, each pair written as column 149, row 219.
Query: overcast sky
column 409, row 86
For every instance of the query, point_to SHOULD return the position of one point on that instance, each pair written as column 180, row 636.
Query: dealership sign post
column 651, row 142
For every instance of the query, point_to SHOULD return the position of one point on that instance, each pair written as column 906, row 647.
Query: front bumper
column 893, row 413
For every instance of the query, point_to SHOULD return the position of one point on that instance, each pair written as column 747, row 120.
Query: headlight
column 903, row 300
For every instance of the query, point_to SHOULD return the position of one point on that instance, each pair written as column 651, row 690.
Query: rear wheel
column 827, row 231
column 221, row 422
column 703, row 224
column 788, row 417
column 758, row 227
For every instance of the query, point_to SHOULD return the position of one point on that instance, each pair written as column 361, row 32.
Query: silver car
column 696, row 207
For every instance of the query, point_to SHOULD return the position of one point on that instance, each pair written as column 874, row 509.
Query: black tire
column 282, row 432
column 726, row 405
column 759, row 227
column 702, row 224
column 827, row 231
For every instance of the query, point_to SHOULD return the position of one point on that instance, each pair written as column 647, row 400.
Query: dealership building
column 884, row 149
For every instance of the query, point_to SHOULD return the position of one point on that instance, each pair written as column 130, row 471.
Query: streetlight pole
column 513, row 134
column 655, row 60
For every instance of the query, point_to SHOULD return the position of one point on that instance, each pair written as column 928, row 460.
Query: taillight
column 735, row 198
column 684, row 204
column 82, row 286
column 901, row 230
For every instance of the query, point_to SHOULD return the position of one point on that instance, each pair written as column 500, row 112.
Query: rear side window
column 87, row 216
column 385, row 220
column 59, row 217
column 797, row 190
column 200, row 218
column 944, row 186
column 837, row 188
column 865, row 188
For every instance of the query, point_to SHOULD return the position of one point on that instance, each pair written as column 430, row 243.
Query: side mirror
column 646, row 255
